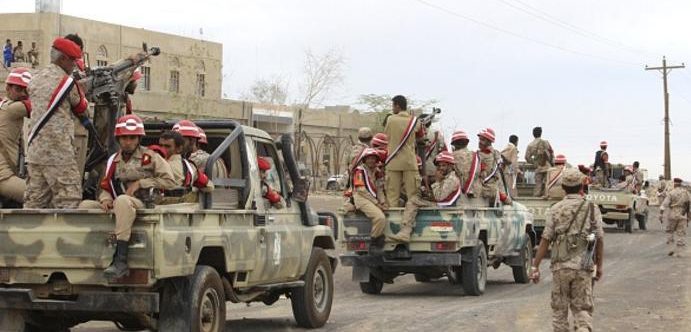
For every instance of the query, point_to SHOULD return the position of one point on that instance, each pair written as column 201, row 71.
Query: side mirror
column 301, row 189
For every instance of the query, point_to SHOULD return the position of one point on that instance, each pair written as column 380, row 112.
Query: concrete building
column 185, row 81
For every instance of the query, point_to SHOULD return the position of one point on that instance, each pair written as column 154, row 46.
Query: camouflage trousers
column 409, row 181
column 53, row 186
column 13, row 188
column 125, row 209
column 540, row 182
column 572, row 289
column 373, row 212
column 676, row 227
column 411, row 207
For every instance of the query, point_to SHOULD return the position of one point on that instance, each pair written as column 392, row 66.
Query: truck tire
column 12, row 321
column 312, row 303
column 196, row 303
column 419, row 277
column 642, row 221
column 373, row 286
column 628, row 224
column 474, row 272
column 521, row 273
column 332, row 186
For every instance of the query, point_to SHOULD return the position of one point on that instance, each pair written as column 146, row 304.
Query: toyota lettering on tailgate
column 601, row 197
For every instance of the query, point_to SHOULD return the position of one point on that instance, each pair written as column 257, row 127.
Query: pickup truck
column 620, row 207
column 186, row 260
column 457, row 242
column 538, row 206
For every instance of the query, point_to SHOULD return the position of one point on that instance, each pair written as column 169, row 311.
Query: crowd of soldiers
column 134, row 177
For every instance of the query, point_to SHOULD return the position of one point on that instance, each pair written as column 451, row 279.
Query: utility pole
column 665, row 69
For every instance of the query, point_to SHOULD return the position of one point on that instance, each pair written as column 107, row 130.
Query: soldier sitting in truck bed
column 189, row 179
column 554, row 175
column 445, row 192
column 130, row 173
column 369, row 196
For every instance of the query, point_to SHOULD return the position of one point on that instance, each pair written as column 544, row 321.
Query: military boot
column 403, row 235
column 376, row 246
column 118, row 267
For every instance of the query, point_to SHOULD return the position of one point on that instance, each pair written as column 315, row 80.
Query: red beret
column 67, row 47
column 263, row 164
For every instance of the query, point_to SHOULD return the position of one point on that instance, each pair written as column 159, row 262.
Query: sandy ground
column 642, row 290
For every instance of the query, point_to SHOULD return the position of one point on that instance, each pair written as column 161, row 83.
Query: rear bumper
column 116, row 302
column 613, row 215
column 415, row 259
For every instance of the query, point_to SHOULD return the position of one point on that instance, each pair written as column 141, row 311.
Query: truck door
column 283, row 226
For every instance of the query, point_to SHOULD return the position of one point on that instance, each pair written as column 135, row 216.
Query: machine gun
column 106, row 88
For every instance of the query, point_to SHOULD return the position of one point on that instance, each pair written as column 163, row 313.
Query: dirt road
column 642, row 290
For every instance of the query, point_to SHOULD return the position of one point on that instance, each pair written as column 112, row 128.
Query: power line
column 544, row 16
column 517, row 35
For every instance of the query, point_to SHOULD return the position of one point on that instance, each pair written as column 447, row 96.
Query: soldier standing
column 13, row 110
column 637, row 177
column 369, row 197
column 467, row 165
column 53, row 178
column 510, row 156
column 490, row 168
column 540, row 154
column 573, row 227
column 33, row 55
column 130, row 173
column 554, row 175
column 675, row 210
column 364, row 136
column 402, row 129
column 445, row 191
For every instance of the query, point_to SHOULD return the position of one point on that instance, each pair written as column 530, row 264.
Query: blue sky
column 503, row 68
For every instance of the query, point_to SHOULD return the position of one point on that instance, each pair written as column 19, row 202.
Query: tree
column 272, row 91
column 323, row 72
column 382, row 105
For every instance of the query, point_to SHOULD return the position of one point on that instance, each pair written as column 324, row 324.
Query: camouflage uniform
column 186, row 177
column 638, row 180
column 401, row 171
column 540, row 154
column 12, row 114
column 554, row 189
column 354, row 153
column 367, row 201
column 464, row 161
column 435, row 144
column 572, row 285
column 145, row 166
column 489, row 173
column 673, row 210
column 199, row 159
column 54, row 179
column 510, row 155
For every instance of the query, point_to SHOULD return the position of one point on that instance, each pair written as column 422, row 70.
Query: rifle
column 426, row 120
column 21, row 160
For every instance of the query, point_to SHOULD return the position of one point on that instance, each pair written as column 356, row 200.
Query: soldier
column 369, row 197
column 18, row 52
column 629, row 182
column 364, row 136
column 602, row 167
column 573, row 227
column 510, row 156
column 54, row 179
column 33, row 55
column 187, row 177
column 401, row 170
column 81, row 134
column 446, row 190
column 466, row 165
column 637, row 177
column 191, row 150
column 663, row 188
column 130, row 173
column 380, row 141
column 540, row 154
column 490, row 169
column 271, row 197
column 434, row 143
column 13, row 110
column 675, row 210
column 554, row 175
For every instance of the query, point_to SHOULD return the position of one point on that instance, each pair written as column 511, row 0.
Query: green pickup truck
column 186, row 260
column 457, row 242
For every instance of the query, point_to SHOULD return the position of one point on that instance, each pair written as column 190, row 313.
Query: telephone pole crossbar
column 665, row 69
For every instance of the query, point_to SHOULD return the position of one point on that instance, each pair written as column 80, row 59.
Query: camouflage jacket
column 558, row 218
column 464, row 162
column 540, row 154
column 354, row 153
column 435, row 144
column 54, row 143
column 12, row 115
column 675, row 204
column 446, row 189
column 510, row 154
column 144, row 165
column 554, row 189
column 489, row 172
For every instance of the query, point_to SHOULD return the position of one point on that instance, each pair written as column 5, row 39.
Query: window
column 146, row 78
column 101, row 63
column 200, row 85
column 174, row 83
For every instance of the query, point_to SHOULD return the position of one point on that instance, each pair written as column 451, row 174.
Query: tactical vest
column 568, row 246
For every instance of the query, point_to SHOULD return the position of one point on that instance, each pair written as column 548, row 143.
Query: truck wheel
column 312, row 303
column 332, row 186
column 474, row 272
column 196, row 303
column 628, row 224
column 520, row 273
column 373, row 286
column 642, row 221
column 419, row 277
column 12, row 321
